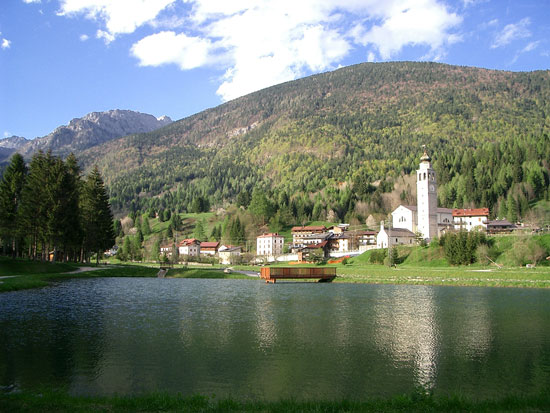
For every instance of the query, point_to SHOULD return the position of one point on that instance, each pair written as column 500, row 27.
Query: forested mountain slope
column 358, row 127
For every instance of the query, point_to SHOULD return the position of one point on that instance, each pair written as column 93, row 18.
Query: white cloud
column 5, row 44
column 403, row 23
column 258, row 43
column 512, row 32
column 31, row 1
column 118, row 16
column 531, row 46
column 84, row 37
column 7, row 134
column 169, row 47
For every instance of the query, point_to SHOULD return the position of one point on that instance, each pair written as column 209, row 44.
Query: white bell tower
column 426, row 190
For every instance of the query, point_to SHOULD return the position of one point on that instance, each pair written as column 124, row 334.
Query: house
column 209, row 248
column 470, row 219
column 366, row 240
column 310, row 250
column 426, row 217
column 499, row 226
column 300, row 232
column 229, row 254
column 339, row 242
column 339, row 229
column 269, row 244
column 190, row 247
column 316, row 238
column 166, row 249
column 394, row 236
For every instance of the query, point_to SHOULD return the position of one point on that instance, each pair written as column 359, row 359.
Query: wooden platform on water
column 272, row 274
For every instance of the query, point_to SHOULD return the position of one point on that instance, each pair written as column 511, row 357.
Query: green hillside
column 336, row 142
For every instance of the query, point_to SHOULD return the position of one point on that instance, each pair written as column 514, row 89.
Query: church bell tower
column 426, row 195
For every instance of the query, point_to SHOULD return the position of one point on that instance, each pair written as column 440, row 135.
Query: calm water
column 248, row 339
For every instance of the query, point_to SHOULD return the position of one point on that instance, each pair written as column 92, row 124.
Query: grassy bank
column 24, row 274
column 61, row 402
column 459, row 276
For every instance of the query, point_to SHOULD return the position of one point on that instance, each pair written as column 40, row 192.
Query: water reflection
column 406, row 329
column 245, row 338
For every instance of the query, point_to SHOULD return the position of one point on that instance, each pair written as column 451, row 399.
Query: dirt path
column 86, row 269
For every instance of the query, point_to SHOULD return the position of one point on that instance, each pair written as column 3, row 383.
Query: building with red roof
column 471, row 218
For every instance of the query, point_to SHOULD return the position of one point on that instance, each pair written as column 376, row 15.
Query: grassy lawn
column 62, row 402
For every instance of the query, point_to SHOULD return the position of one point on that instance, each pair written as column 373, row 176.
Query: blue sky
column 61, row 59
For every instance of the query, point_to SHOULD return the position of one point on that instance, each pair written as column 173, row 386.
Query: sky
column 61, row 59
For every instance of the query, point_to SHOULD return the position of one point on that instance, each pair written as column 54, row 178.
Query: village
column 408, row 225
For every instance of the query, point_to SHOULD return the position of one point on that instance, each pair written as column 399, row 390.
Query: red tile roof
column 321, row 228
column 471, row 212
column 209, row 244
column 269, row 235
column 188, row 241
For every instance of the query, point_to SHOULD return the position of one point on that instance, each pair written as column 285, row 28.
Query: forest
column 335, row 144
column 49, row 211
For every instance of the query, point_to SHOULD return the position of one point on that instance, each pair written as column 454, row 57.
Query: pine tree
column 155, row 251
column 199, row 231
column 34, row 206
column 146, row 226
column 11, row 187
column 97, row 218
column 74, row 234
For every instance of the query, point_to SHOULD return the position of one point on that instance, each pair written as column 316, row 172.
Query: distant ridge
column 91, row 130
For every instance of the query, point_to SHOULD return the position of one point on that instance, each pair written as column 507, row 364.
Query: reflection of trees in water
column 295, row 340
column 54, row 339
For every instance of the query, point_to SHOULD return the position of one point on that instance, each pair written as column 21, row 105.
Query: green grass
column 202, row 273
column 9, row 266
column 50, row 401
column 28, row 274
column 459, row 276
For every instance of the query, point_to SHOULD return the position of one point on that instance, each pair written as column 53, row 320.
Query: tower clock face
column 432, row 188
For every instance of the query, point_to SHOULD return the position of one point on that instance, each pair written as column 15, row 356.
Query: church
column 424, row 219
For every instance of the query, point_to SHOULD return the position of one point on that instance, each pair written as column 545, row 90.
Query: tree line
column 50, row 211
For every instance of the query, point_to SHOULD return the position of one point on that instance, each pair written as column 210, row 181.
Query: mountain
column 11, row 144
column 359, row 127
column 93, row 129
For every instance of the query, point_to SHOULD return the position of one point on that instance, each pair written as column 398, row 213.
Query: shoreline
column 43, row 275
column 55, row 401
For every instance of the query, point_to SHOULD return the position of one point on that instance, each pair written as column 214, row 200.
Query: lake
column 246, row 339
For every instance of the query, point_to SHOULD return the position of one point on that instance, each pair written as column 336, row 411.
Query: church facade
column 425, row 218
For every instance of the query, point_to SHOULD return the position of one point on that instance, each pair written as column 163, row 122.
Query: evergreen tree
column 236, row 232
column 155, row 251
column 97, row 218
column 146, row 226
column 11, row 187
column 199, row 231
column 137, row 254
column 512, row 208
column 260, row 205
column 34, row 206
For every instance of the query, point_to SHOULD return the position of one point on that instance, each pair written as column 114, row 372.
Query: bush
column 378, row 256
column 461, row 247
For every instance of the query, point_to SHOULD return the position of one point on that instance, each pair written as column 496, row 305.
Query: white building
column 270, row 244
column 395, row 236
column 470, row 219
column 190, row 247
column 229, row 254
column 425, row 218
column 405, row 216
